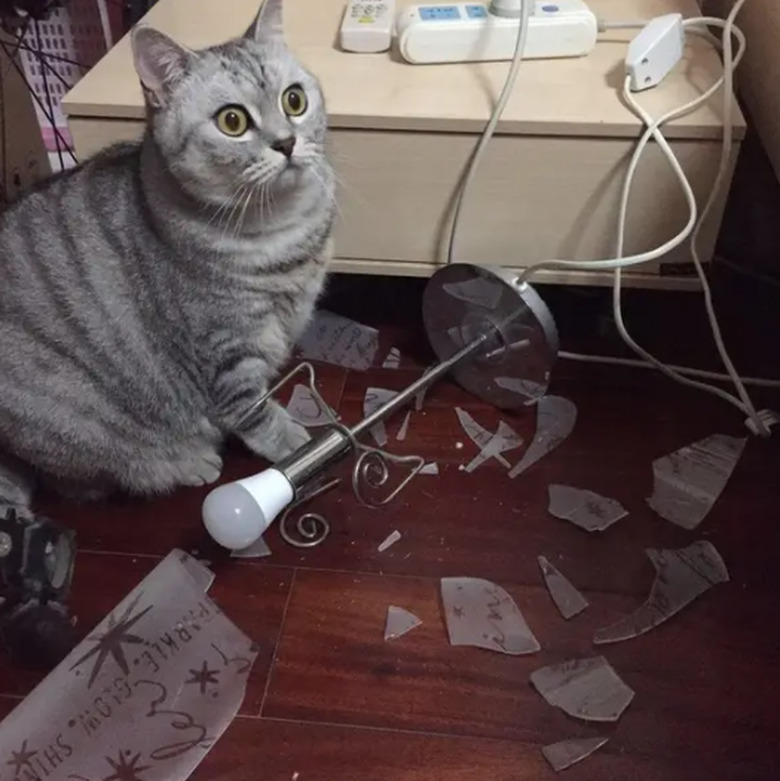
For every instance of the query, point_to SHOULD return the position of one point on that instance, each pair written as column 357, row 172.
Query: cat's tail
column 36, row 561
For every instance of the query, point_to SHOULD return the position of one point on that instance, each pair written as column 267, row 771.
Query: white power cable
column 757, row 421
column 526, row 7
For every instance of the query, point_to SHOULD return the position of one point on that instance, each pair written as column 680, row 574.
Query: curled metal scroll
column 311, row 529
column 370, row 472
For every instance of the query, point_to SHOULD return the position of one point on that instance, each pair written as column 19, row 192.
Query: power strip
column 468, row 32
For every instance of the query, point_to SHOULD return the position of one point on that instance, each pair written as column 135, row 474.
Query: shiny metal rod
column 408, row 393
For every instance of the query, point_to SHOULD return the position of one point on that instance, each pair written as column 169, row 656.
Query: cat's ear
column 159, row 61
column 267, row 27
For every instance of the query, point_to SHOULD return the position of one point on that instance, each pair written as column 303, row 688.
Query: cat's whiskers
column 244, row 192
column 221, row 214
column 319, row 177
column 317, row 150
column 242, row 216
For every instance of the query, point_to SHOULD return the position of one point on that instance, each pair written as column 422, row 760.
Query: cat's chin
column 292, row 177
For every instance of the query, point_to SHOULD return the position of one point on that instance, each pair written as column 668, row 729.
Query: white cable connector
column 655, row 51
column 660, row 49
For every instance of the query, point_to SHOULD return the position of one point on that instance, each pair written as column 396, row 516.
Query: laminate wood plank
column 691, row 683
column 317, row 752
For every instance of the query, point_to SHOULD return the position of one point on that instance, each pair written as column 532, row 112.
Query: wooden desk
column 401, row 135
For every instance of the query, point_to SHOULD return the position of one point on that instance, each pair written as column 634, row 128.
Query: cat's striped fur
column 149, row 296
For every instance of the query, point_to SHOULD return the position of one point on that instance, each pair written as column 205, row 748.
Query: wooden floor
column 329, row 700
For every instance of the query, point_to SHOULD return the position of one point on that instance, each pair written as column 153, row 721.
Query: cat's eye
column 294, row 101
column 233, row 121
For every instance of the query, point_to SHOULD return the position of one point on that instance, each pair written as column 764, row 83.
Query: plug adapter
column 655, row 51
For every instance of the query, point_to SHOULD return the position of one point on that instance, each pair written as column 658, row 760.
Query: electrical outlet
column 437, row 13
column 470, row 32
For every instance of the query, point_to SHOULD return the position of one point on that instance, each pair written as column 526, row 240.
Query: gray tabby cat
column 150, row 295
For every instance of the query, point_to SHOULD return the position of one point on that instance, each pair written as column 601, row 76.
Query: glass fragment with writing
column 144, row 696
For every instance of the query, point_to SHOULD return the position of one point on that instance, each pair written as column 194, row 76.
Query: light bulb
column 236, row 514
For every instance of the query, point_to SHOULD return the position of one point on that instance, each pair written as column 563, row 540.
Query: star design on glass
column 112, row 642
column 203, row 677
column 21, row 759
column 458, row 611
column 126, row 767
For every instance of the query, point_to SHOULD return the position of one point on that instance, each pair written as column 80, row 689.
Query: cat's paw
column 201, row 469
column 278, row 436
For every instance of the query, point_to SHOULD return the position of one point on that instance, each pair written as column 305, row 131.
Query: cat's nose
column 284, row 145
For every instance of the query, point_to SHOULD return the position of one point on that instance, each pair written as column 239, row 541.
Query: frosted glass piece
column 399, row 622
column 568, row 752
column 404, row 430
column 586, row 509
column 503, row 440
column 480, row 436
column 481, row 614
column 257, row 550
column 393, row 359
column 391, row 539
column 584, row 688
column 304, row 408
column 372, row 401
column 525, row 388
column 555, row 419
column 144, row 696
column 682, row 575
column 688, row 482
column 567, row 598
column 334, row 339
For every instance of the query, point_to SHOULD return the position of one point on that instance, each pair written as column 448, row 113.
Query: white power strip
column 468, row 32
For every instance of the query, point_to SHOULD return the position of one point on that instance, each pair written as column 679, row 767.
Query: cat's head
column 232, row 117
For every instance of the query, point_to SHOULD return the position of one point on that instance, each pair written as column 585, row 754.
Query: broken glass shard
column 568, row 752
column 430, row 469
column 393, row 359
column 304, row 407
column 555, row 419
column 146, row 695
column 586, row 509
column 419, row 398
column 503, row 440
column 404, row 430
column 338, row 340
column 481, row 437
column 688, row 482
column 199, row 572
column 584, row 688
column 682, row 575
column 391, row 539
column 481, row 614
column 399, row 622
column 373, row 400
column 527, row 388
column 480, row 291
column 567, row 599
column 257, row 550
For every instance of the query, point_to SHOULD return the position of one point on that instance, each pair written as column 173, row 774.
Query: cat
column 150, row 295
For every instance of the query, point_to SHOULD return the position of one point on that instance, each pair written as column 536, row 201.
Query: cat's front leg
column 275, row 434
column 267, row 430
